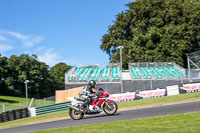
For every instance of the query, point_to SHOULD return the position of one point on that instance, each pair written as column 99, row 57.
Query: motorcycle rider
column 86, row 93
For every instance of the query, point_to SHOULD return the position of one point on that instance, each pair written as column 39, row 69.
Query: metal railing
column 52, row 108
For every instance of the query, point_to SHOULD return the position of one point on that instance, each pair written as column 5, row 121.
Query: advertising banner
column 151, row 93
column 189, row 88
column 123, row 97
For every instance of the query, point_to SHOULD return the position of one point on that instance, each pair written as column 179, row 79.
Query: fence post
column 3, row 107
column 31, row 103
column 181, row 80
column 44, row 101
column 20, row 105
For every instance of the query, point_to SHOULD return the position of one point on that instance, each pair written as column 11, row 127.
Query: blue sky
column 56, row 31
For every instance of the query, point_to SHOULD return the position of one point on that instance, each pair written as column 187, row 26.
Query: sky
column 68, row 31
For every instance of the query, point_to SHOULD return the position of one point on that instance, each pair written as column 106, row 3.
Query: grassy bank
column 122, row 106
column 182, row 123
column 12, row 103
column 189, row 97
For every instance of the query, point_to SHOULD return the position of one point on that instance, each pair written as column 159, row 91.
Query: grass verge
column 182, row 123
column 122, row 106
column 12, row 103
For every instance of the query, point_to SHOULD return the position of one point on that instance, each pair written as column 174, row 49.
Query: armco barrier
column 52, row 108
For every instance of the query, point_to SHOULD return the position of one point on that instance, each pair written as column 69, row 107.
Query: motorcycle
column 78, row 108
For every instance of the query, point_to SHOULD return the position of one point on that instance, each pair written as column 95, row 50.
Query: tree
column 58, row 75
column 155, row 31
column 42, row 81
column 25, row 67
column 3, row 74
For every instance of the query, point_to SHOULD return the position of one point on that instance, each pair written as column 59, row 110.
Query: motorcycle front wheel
column 75, row 115
column 111, row 108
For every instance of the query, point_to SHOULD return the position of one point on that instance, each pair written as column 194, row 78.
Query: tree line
column 154, row 31
column 43, row 80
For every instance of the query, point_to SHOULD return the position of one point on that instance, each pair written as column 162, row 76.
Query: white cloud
column 5, row 48
column 51, row 57
column 2, row 38
column 27, row 40
column 17, row 35
column 39, row 49
column 33, row 41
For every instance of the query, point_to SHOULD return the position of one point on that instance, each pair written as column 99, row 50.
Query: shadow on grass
column 8, row 101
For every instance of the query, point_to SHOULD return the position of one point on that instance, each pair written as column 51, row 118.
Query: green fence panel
column 52, row 108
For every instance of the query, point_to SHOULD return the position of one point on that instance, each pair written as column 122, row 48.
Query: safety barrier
column 48, row 109
column 14, row 115
column 152, row 93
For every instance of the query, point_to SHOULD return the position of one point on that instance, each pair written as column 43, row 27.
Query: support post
column 31, row 103
column 188, row 62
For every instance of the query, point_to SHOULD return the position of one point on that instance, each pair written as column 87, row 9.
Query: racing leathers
column 86, row 95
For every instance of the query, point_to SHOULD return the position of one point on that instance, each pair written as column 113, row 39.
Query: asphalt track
column 101, row 118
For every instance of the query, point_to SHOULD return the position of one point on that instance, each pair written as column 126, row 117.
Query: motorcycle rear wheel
column 111, row 108
column 75, row 115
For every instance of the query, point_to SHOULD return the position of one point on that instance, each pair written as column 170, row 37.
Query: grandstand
column 167, row 70
column 84, row 74
column 140, row 75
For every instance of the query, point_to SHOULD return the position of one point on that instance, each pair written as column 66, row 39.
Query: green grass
column 188, row 97
column 122, row 106
column 182, row 123
column 9, row 100
column 12, row 103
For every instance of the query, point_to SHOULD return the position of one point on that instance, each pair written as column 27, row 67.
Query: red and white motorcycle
column 77, row 108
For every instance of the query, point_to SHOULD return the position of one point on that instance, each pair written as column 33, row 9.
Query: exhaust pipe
column 75, row 108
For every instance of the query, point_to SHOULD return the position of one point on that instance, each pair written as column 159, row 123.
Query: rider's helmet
column 92, row 83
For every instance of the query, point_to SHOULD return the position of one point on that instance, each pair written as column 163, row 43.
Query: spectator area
column 155, row 73
column 136, row 71
column 106, row 74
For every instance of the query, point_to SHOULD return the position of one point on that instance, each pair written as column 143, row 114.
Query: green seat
column 115, row 73
column 135, row 73
column 76, row 73
column 95, row 74
column 145, row 72
column 176, row 72
column 84, row 75
column 105, row 74
column 166, row 72
column 157, row 74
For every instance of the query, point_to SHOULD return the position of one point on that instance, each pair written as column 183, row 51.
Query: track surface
column 101, row 118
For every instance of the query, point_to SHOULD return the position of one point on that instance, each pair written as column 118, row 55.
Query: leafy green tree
column 42, row 81
column 25, row 67
column 155, row 31
column 57, row 73
column 3, row 75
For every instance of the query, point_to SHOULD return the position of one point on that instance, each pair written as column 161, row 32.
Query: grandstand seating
column 115, row 73
column 75, row 73
column 167, row 73
column 105, row 74
column 135, row 73
column 95, row 74
column 146, row 73
column 157, row 74
column 84, row 75
column 176, row 72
